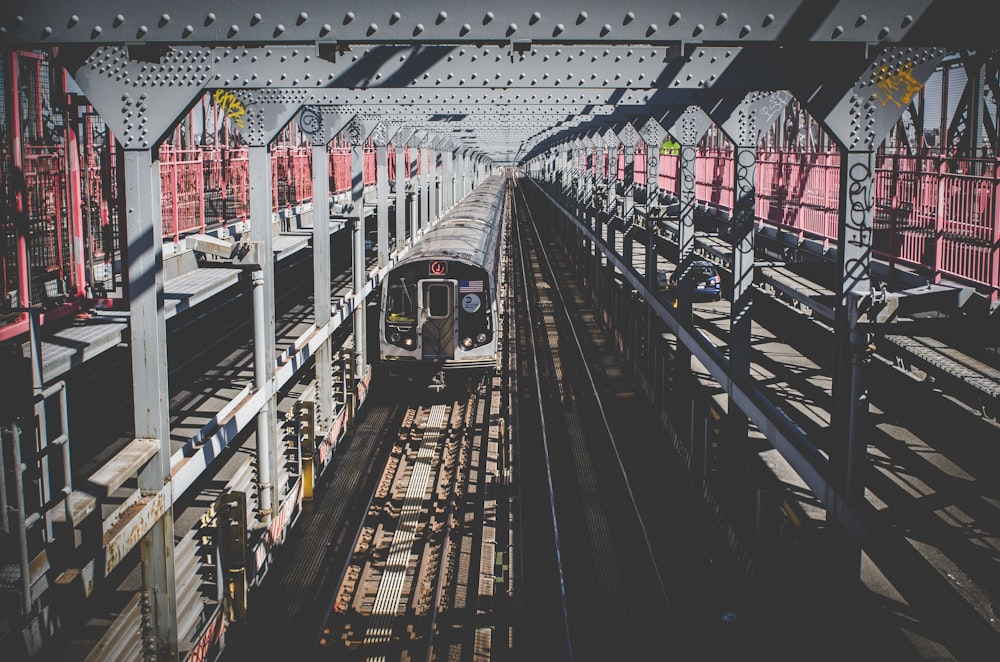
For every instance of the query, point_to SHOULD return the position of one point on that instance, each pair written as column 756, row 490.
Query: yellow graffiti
column 231, row 105
column 897, row 87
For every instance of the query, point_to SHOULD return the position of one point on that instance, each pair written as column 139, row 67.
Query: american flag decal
column 466, row 286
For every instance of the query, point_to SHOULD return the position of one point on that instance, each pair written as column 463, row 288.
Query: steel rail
column 545, row 442
column 607, row 426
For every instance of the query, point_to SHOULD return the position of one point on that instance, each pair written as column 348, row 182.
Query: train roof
column 469, row 231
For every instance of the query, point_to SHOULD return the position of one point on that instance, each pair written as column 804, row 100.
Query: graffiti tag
column 231, row 106
column 896, row 87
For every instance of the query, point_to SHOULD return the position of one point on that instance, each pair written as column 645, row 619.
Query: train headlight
column 467, row 343
column 408, row 342
column 481, row 338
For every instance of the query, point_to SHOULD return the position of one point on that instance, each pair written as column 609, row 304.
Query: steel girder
column 142, row 91
column 459, row 21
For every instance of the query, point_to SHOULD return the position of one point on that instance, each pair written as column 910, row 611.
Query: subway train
column 439, row 303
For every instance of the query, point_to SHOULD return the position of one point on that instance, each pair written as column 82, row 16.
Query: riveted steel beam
column 321, row 124
column 860, row 113
column 459, row 21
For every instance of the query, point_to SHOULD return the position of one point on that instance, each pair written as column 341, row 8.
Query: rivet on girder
column 675, row 17
column 883, row 33
column 698, row 29
column 417, row 29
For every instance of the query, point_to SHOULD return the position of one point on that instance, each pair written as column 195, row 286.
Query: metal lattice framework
column 506, row 73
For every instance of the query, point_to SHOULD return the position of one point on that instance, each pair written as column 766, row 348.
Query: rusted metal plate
column 130, row 526
column 124, row 465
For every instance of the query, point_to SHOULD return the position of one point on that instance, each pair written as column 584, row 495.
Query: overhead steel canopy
column 460, row 21
column 506, row 78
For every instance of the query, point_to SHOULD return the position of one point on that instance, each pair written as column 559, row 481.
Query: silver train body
column 439, row 303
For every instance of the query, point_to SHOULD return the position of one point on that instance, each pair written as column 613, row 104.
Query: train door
column 437, row 319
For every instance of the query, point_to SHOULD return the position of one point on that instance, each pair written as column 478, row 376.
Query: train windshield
column 401, row 303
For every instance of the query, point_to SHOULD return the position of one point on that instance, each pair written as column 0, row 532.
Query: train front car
column 439, row 304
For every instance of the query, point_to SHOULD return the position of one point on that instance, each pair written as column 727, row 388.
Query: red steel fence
column 61, row 192
column 937, row 214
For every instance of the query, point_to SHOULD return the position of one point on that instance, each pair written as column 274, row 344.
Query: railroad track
column 600, row 579
column 407, row 586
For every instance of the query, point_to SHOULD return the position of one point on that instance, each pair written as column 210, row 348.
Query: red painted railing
column 937, row 214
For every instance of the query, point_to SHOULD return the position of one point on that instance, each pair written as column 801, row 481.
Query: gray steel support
column 427, row 190
column 851, row 355
column 321, row 285
column 653, row 135
column 382, row 189
column 437, row 184
column 852, row 351
column 628, row 205
column 685, row 228
column 358, row 242
column 628, row 185
column 463, row 166
column 261, row 231
column 612, row 191
column 151, row 404
column 449, row 168
column 653, row 141
column 740, row 318
column 859, row 120
column 744, row 121
column 401, row 234
column 414, row 188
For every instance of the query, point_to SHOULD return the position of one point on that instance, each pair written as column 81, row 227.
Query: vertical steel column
column 321, row 286
column 683, row 378
column 628, row 205
column 463, row 167
column 740, row 317
column 358, row 241
column 652, row 195
column 400, row 197
column 852, row 349
column 628, row 191
column 151, row 404
column 612, row 191
column 427, row 189
column 600, row 217
column 449, row 168
column 437, row 184
column 415, row 191
column 382, row 189
column 261, row 231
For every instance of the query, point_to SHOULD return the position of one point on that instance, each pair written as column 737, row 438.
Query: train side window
column 439, row 300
